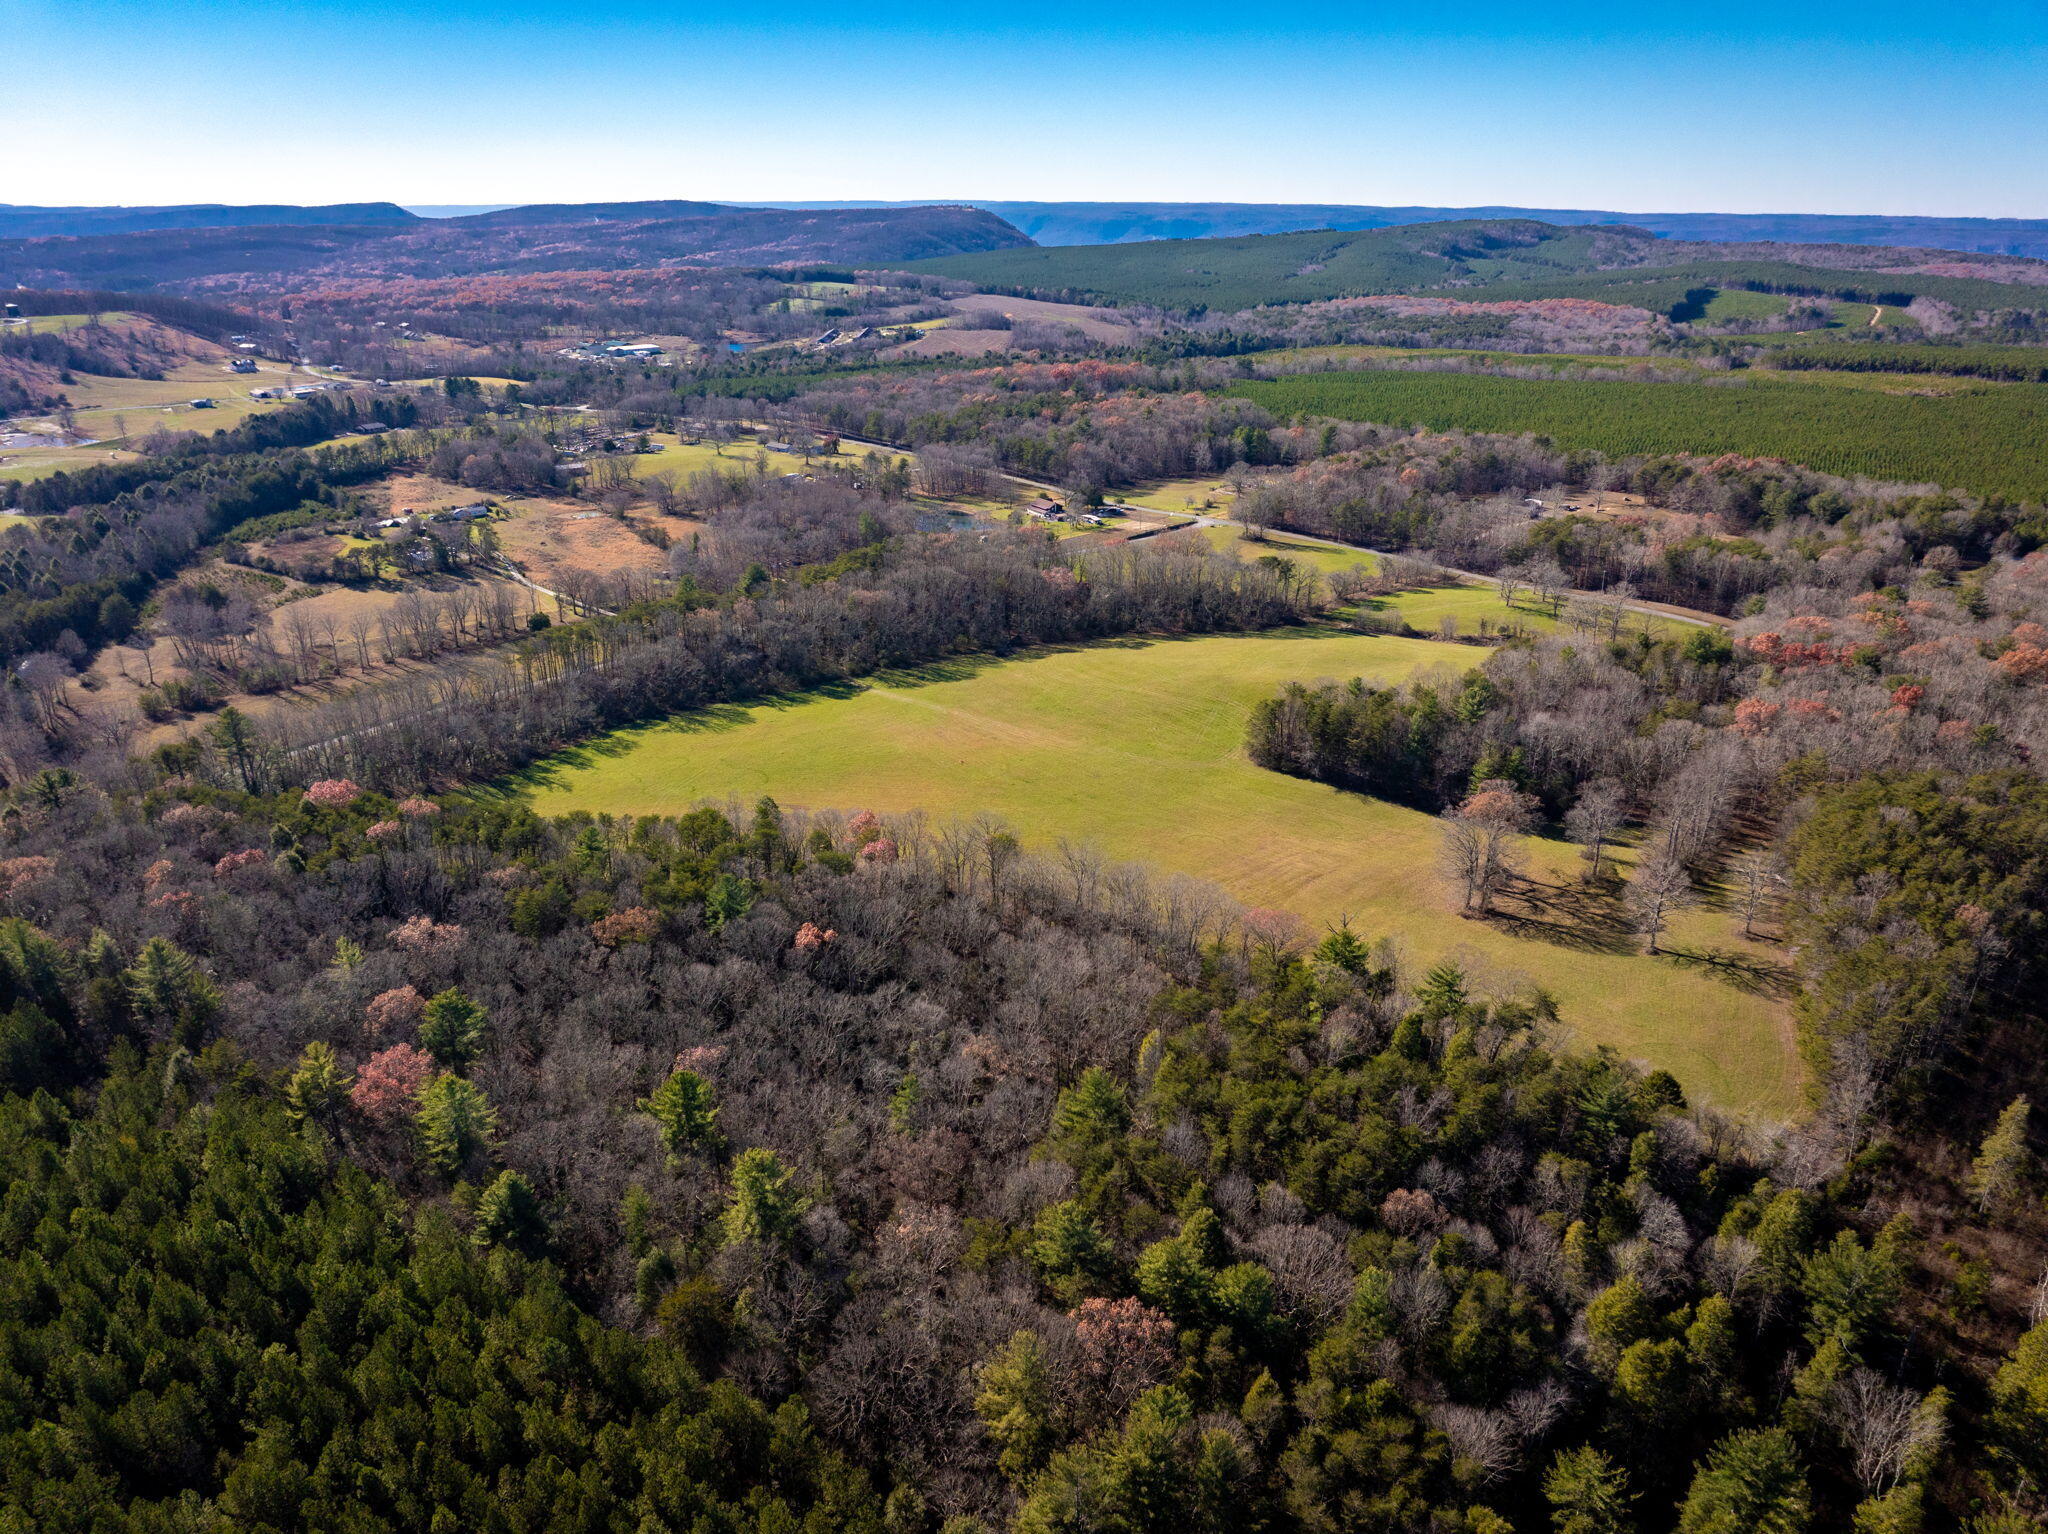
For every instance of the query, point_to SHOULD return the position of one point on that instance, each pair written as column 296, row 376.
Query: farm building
column 636, row 349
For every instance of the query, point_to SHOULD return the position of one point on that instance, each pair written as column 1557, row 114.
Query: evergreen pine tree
column 509, row 1214
column 452, row 1029
column 765, row 1199
column 2000, row 1170
column 456, row 1123
column 1752, row 1483
column 683, row 1107
column 1588, row 1494
column 318, row 1085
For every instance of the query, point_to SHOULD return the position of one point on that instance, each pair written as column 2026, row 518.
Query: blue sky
column 1743, row 106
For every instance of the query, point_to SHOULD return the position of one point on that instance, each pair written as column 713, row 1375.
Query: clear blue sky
column 1742, row 106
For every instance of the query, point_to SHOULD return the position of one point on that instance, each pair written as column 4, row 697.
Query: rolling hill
column 1105, row 223
column 1507, row 258
column 546, row 238
column 1115, row 223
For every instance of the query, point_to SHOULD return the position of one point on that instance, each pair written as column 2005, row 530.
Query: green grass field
column 678, row 460
column 1136, row 748
column 57, row 324
column 1309, row 556
column 1991, row 440
column 1741, row 304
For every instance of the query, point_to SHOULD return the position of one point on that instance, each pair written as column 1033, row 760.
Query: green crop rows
column 1992, row 441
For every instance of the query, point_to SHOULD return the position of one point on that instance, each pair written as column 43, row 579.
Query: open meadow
column 1136, row 749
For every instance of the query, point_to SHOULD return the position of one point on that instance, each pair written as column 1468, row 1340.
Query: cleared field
column 1311, row 556
column 678, row 459
column 559, row 543
column 1992, row 440
column 57, row 324
column 956, row 340
column 1136, row 747
column 1200, row 495
column 35, row 463
column 1740, row 304
column 110, row 411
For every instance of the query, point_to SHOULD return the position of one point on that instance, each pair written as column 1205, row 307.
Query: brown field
column 959, row 336
column 955, row 343
column 403, row 493
column 556, row 541
column 1096, row 324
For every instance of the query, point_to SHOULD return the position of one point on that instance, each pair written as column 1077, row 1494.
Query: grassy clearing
column 1199, row 495
column 678, row 459
column 57, row 324
column 1741, row 304
column 25, row 464
column 1940, row 384
column 1313, row 556
column 1136, row 747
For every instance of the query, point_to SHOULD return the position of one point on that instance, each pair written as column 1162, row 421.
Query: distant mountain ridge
column 1117, row 223
column 1082, row 223
column 23, row 221
column 546, row 237
column 1514, row 259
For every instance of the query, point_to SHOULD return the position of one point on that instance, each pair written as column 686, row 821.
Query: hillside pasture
column 1135, row 748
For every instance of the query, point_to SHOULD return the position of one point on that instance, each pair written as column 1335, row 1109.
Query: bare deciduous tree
column 1591, row 822
column 1883, row 1426
column 1660, row 886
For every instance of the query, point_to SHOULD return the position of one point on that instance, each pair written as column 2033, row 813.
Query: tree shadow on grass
column 1565, row 916
column 1746, row 972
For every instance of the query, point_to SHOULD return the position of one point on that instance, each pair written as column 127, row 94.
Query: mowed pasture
column 1136, row 748
column 1991, row 440
column 678, row 460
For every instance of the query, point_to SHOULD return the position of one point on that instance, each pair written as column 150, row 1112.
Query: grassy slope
column 1992, row 440
column 1137, row 748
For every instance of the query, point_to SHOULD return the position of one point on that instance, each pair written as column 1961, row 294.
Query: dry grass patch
column 559, row 543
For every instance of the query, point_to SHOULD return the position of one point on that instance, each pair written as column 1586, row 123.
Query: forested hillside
column 1112, row 223
column 629, row 234
column 1510, row 258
